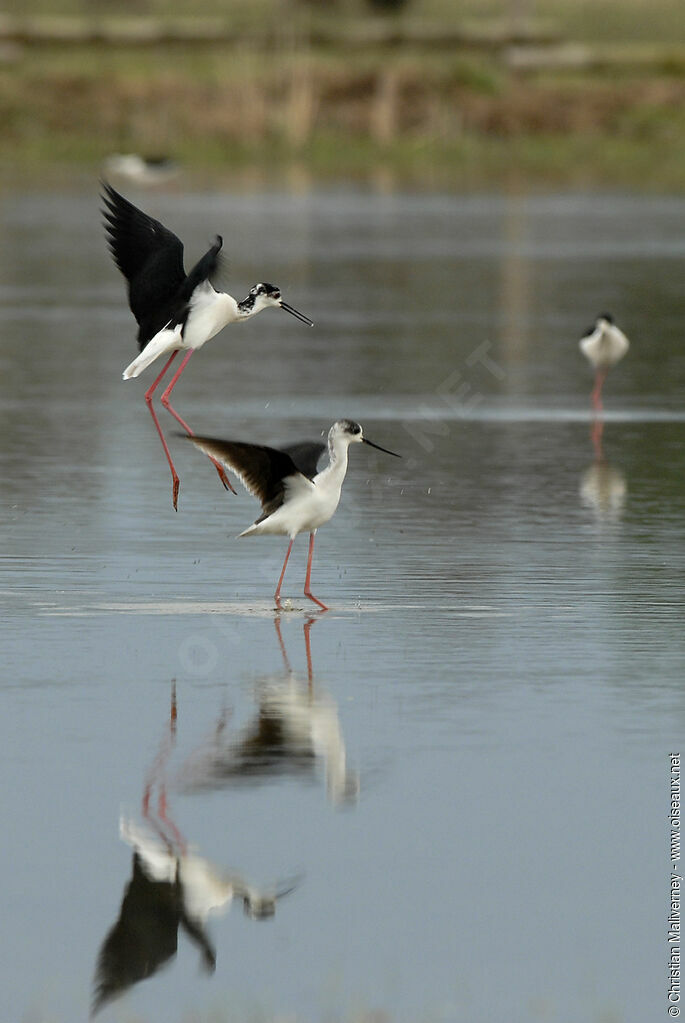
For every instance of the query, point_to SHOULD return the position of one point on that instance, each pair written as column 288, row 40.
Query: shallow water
column 467, row 790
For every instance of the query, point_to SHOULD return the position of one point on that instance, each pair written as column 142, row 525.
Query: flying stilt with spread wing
column 295, row 498
column 175, row 311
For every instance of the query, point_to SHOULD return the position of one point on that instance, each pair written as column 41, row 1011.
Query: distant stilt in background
column 603, row 345
column 144, row 171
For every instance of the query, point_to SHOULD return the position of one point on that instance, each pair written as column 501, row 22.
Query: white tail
column 164, row 341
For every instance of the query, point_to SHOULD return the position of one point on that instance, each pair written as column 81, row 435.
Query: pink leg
column 597, row 390
column 175, row 482
column 277, row 594
column 165, row 399
column 167, row 393
column 307, row 589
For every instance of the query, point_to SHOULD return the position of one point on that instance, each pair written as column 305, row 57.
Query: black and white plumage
column 175, row 311
column 172, row 890
column 603, row 345
column 293, row 499
column 295, row 732
column 306, row 455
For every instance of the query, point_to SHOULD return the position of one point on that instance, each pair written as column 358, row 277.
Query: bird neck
column 246, row 308
column 337, row 458
column 331, row 746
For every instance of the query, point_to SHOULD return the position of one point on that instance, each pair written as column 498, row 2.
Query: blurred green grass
column 584, row 20
column 456, row 118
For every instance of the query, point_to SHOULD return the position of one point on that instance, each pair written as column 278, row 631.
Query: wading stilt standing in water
column 294, row 500
column 603, row 346
column 175, row 311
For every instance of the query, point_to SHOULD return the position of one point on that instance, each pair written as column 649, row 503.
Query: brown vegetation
column 295, row 104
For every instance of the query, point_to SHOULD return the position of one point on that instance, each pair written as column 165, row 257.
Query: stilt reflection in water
column 602, row 486
column 295, row 731
column 171, row 888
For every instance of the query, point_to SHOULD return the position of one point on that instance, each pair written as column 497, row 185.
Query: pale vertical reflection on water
column 462, row 782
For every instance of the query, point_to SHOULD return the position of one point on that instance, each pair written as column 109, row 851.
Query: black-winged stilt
column 293, row 501
column 144, row 171
column 175, row 311
column 603, row 345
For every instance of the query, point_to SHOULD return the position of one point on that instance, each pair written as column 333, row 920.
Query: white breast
column 605, row 346
column 307, row 506
column 210, row 311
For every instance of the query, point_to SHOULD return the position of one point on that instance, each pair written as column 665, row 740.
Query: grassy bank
column 604, row 21
column 453, row 119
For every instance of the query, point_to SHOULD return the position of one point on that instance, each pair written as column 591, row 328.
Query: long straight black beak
column 296, row 314
column 379, row 448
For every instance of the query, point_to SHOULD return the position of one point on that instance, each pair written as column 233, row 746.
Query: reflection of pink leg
column 277, row 594
column 173, row 714
column 596, row 434
column 597, row 389
column 178, row 838
column 307, row 588
column 166, row 402
column 162, row 823
column 286, row 662
column 175, row 483
column 308, row 649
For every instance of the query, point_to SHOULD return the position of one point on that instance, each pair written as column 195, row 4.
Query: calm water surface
column 455, row 809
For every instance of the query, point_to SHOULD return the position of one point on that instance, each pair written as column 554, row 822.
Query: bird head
column 264, row 295
column 261, row 905
column 350, row 432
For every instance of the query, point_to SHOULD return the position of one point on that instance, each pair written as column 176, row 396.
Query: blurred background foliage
column 560, row 93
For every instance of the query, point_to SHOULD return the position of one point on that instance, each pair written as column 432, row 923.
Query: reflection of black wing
column 145, row 936
column 142, row 940
column 264, row 750
column 306, row 454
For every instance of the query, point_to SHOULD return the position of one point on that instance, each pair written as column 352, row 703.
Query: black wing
column 261, row 470
column 206, row 269
column 150, row 257
column 306, row 454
